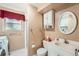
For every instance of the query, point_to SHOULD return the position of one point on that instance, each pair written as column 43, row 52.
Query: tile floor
column 21, row 52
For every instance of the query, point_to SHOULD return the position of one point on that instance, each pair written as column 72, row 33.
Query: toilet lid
column 41, row 50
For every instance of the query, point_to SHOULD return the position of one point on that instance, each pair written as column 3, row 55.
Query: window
column 12, row 24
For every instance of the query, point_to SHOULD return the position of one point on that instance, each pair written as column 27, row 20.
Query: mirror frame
column 76, row 22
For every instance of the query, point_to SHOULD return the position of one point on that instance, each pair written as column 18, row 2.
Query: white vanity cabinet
column 63, row 52
column 54, row 50
column 60, row 49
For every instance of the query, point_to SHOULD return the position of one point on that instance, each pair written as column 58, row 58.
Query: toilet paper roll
column 33, row 46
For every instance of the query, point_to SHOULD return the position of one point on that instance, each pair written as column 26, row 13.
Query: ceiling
column 56, row 7
column 38, row 5
column 21, row 6
column 15, row 6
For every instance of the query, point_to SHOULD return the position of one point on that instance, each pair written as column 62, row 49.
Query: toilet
column 42, row 51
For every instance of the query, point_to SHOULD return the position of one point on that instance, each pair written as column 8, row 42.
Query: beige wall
column 57, row 34
column 16, row 38
column 35, row 23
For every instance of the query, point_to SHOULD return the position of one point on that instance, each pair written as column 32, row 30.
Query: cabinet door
column 63, row 52
column 52, row 51
column 57, row 51
column 48, row 20
column 66, row 53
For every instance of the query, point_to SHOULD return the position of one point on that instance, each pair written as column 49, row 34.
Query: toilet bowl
column 41, row 52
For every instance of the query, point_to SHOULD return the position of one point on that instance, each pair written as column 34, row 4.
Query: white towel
column 4, row 41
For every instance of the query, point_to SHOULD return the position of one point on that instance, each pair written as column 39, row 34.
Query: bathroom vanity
column 61, row 49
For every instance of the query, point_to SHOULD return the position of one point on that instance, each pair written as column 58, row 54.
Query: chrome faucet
column 76, row 52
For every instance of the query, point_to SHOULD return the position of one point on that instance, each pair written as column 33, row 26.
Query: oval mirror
column 67, row 23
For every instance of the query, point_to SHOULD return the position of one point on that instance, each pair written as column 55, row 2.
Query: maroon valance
column 11, row 15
